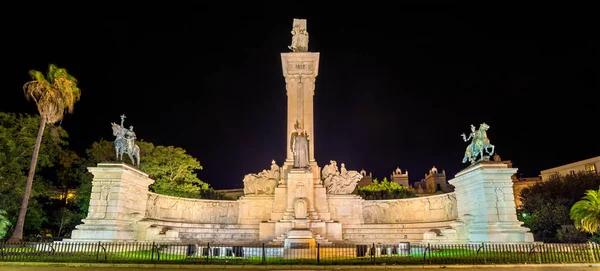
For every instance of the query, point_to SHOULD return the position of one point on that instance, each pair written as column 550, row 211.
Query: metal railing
column 261, row 253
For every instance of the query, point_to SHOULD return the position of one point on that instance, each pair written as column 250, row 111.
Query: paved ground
column 138, row 267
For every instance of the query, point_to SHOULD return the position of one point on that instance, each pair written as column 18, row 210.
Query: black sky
column 397, row 84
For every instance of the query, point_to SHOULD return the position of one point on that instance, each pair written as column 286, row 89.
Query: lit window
column 590, row 168
column 572, row 172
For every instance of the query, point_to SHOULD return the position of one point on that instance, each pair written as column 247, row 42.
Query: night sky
column 397, row 85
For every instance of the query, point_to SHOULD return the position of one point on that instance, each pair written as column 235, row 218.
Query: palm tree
column 54, row 94
column 586, row 212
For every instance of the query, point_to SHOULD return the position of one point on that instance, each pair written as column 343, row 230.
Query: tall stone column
column 118, row 201
column 485, row 201
column 300, row 70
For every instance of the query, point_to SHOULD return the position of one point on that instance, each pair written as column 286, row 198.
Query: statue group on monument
column 479, row 146
column 263, row 182
column 299, row 36
column 125, row 142
column 339, row 182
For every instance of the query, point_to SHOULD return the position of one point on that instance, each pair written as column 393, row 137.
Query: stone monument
column 300, row 69
column 484, row 195
column 297, row 204
column 117, row 203
column 300, row 216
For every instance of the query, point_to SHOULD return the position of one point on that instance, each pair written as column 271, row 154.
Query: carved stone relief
column 435, row 208
column 191, row 210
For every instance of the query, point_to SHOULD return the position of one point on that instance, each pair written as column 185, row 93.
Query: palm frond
column 586, row 212
column 54, row 94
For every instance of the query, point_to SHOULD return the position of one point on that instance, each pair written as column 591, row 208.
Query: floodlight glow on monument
column 300, row 203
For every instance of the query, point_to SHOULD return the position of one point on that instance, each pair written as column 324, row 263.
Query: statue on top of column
column 299, row 36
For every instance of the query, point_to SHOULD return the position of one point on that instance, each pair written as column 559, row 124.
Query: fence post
column 591, row 250
column 373, row 252
column 484, row 253
column 152, row 254
column 425, row 253
column 318, row 253
column 98, row 252
column 264, row 256
column 532, row 250
column 157, row 253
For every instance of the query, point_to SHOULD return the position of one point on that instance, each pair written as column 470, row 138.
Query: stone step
column 391, row 242
column 384, row 231
column 159, row 223
column 280, row 240
column 379, row 237
column 438, row 224
column 448, row 231
column 226, row 237
column 217, row 231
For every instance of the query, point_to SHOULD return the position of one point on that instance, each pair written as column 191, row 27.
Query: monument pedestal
column 300, row 196
column 484, row 197
column 300, row 212
column 117, row 202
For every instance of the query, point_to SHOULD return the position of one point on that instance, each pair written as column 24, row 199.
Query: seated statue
column 339, row 183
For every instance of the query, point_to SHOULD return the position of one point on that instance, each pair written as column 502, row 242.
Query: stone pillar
column 300, row 71
column 117, row 202
column 485, row 200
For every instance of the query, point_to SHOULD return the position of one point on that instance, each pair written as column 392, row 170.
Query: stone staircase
column 222, row 233
column 211, row 233
column 394, row 233
column 458, row 233
column 280, row 240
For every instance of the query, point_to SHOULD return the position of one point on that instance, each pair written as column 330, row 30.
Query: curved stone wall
column 421, row 209
column 161, row 207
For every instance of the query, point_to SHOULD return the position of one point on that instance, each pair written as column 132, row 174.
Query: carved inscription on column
column 301, row 68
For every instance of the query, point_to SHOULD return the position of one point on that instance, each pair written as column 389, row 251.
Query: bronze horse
column 121, row 145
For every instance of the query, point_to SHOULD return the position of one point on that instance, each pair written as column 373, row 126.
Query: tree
column 172, row 168
column 17, row 140
column 53, row 94
column 546, row 205
column 66, row 173
column 586, row 212
column 385, row 190
column 63, row 219
column 4, row 224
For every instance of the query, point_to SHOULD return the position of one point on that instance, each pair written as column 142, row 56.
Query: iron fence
column 261, row 253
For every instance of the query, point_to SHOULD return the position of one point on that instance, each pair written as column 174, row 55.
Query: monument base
column 103, row 230
column 485, row 200
column 299, row 238
column 117, row 202
column 499, row 232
